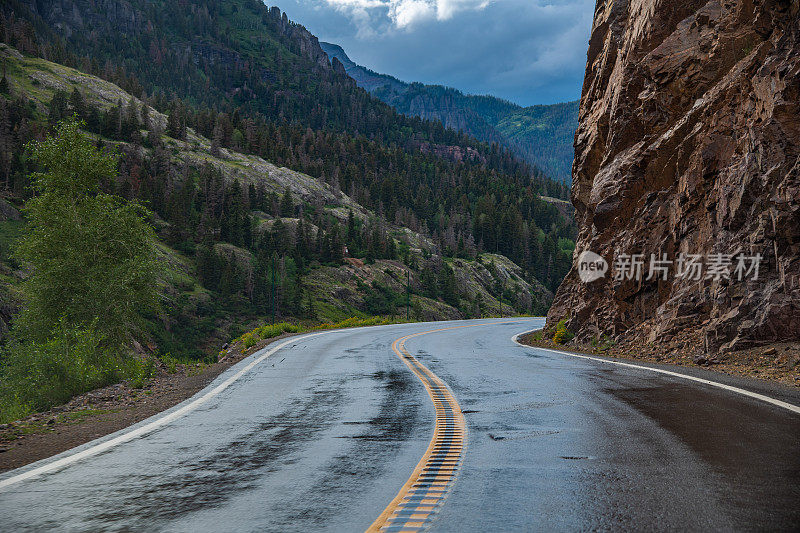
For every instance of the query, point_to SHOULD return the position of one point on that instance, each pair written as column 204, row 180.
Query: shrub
column 268, row 331
column 250, row 339
column 562, row 334
column 170, row 362
column 603, row 343
column 37, row 375
column 12, row 407
column 139, row 371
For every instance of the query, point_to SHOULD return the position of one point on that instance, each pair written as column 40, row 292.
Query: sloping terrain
column 200, row 316
column 251, row 81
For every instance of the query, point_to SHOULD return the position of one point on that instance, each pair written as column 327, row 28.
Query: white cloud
column 528, row 51
column 445, row 9
column 404, row 13
column 371, row 15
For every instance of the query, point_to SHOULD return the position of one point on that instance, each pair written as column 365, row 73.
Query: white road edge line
column 155, row 424
column 773, row 401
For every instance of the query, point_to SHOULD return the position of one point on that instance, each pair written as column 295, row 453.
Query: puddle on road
column 513, row 435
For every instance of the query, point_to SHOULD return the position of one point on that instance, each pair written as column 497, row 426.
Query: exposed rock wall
column 688, row 141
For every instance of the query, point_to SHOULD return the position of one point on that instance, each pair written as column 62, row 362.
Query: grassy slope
column 202, row 322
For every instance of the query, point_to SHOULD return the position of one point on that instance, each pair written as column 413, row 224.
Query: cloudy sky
column 527, row 51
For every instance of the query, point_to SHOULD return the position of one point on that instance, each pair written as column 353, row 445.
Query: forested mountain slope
column 542, row 134
column 246, row 77
column 230, row 223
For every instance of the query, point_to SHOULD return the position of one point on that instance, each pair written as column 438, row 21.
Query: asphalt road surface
column 335, row 432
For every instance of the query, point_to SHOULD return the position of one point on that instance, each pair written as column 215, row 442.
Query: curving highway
column 440, row 427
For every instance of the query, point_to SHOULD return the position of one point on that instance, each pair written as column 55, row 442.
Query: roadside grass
column 269, row 331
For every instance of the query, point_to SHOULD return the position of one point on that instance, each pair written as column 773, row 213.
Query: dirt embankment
column 777, row 362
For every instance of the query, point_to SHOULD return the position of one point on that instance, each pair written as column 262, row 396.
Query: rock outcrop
column 689, row 142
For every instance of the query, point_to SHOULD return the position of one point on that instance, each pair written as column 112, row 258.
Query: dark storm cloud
column 528, row 51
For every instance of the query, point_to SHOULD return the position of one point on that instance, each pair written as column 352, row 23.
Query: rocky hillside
column 198, row 315
column 253, row 82
column 689, row 143
column 542, row 134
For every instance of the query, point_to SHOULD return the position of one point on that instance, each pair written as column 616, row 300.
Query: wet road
column 324, row 433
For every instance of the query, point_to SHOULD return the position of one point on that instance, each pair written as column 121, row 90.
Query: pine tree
column 58, row 107
column 174, row 123
column 287, row 205
column 429, row 282
column 131, row 120
column 145, row 116
column 76, row 102
column 447, row 285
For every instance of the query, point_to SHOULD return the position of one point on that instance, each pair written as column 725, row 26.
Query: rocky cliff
column 688, row 143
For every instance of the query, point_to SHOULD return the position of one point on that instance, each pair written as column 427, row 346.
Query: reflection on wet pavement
column 325, row 440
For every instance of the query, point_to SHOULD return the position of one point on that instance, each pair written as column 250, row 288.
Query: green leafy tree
column 94, row 271
column 93, row 254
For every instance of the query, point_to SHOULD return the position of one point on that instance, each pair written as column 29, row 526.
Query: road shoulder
column 785, row 387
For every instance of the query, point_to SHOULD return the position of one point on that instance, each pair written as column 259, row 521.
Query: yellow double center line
column 420, row 498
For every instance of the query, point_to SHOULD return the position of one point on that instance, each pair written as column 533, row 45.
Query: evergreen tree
column 447, row 285
column 287, row 205
column 430, row 286
column 77, row 104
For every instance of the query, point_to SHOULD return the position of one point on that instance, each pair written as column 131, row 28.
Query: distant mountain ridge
column 542, row 134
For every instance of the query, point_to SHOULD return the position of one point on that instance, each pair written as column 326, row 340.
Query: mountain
column 227, row 220
column 688, row 144
column 261, row 160
column 542, row 134
column 274, row 186
column 248, row 78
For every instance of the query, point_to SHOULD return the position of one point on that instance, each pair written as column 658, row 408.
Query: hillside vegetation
column 230, row 223
column 276, row 188
column 250, row 80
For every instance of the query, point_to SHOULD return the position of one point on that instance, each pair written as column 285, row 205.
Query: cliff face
column 688, row 142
